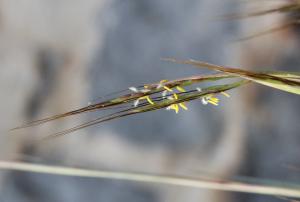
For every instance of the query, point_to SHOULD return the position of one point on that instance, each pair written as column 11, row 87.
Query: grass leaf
column 288, row 82
column 287, row 190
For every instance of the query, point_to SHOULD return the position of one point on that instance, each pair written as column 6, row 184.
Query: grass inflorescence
column 175, row 94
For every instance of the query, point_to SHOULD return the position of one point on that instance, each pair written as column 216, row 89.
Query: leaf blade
column 284, row 83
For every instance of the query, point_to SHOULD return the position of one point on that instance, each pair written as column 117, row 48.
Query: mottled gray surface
column 135, row 36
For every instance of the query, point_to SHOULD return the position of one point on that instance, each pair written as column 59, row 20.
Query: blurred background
column 56, row 56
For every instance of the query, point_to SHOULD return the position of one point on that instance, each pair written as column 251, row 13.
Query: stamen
column 179, row 88
column 225, row 94
column 161, row 83
column 173, row 107
column 149, row 100
column 167, row 88
column 183, row 106
column 210, row 99
column 212, row 102
column 214, row 99
column 175, row 96
column 176, row 108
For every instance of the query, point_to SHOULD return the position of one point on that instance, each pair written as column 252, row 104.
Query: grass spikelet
column 172, row 95
column 284, row 81
column 144, row 98
column 158, row 103
column 129, row 97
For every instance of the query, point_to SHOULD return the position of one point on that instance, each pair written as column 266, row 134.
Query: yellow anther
column 161, row 84
column 210, row 99
column 175, row 96
column 179, row 88
column 183, row 106
column 167, row 88
column 214, row 99
column 147, row 98
column 225, row 94
column 175, row 108
column 213, row 102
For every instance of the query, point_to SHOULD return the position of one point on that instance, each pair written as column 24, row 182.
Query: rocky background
column 56, row 56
